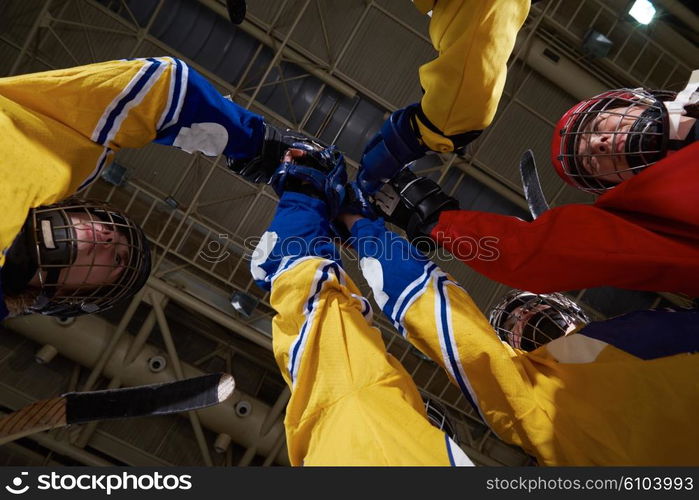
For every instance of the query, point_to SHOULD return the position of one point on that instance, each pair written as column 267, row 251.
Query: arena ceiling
column 334, row 69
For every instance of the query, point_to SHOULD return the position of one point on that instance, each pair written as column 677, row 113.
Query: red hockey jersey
column 641, row 235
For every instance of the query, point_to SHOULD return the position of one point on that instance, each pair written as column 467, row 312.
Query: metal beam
column 278, row 52
column 682, row 13
column 212, row 313
column 177, row 364
column 40, row 18
column 135, row 348
column 288, row 53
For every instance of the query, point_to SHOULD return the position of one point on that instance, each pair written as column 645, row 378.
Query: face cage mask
column 527, row 321
column 56, row 237
column 437, row 415
column 646, row 140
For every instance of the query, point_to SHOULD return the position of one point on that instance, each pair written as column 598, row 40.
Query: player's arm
column 568, row 248
column 334, row 362
column 642, row 235
column 438, row 316
column 129, row 103
column 462, row 86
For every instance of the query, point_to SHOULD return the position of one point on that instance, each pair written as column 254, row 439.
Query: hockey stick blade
column 531, row 184
column 146, row 400
column 236, row 10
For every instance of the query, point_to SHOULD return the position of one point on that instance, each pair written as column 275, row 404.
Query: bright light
column 642, row 11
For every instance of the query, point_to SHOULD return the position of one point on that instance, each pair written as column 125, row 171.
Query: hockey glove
column 314, row 170
column 413, row 203
column 276, row 142
column 394, row 146
column 356, row 202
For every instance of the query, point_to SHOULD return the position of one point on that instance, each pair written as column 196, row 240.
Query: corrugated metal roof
column 372, row 59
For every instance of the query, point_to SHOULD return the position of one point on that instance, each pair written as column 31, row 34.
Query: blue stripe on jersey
column 176, row 94
column 102, row 137
column 100, row 165
column 310, row 305
column 407, row 301
column 649, row 334
column 443, row 321
column 451, row 455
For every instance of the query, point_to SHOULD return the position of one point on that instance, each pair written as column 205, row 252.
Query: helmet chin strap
column 680, row 123
column 21, row 263
column 38, row 245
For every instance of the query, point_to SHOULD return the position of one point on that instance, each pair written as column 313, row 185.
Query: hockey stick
column 236, row 10
column 80, row 407
column 532, row 186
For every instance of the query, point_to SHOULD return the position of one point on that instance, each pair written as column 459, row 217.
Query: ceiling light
column 642, row 11
column 243, row 303
column 115, row 174
column 595, row 44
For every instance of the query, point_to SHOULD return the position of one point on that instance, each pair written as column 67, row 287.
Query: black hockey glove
column 413, row 203
column 260, row 168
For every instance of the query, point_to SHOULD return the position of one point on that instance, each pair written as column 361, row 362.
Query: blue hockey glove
column 315, row 170
column 394, row 146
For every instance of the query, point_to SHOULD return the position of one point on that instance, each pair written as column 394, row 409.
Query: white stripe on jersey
column 445, row 333
column 459, row 458
column 184, row 78
column 168, row 61
column 298, row 346
column 108, row 110
column 175, row 100
column 408, row 289
column 134, row 102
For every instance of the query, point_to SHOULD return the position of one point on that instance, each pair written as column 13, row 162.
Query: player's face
column 524, row 319
column 102, row 254
column 602, row 144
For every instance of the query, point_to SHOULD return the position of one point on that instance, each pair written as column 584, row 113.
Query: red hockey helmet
column 606, row 139
column 528, row 320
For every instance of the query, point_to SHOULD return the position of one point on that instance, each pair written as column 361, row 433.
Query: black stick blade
column 236, row 10
column 532, row 186
column 157, row 399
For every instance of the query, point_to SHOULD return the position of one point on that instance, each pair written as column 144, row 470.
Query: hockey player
column 462, row 86
column 528, row 320
column 73, row 257
column 614, row 136
column 351, row 403
column 638, row 148
column 597, row 396
column 61, row 128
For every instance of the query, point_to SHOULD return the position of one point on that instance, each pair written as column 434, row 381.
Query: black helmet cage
column 56, row 245
column 437, row 415
column 646, row 140
column 528, row 320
